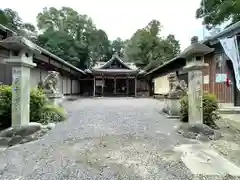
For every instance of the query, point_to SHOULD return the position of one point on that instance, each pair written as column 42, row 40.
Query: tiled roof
column 44, row 51
column 100, row 64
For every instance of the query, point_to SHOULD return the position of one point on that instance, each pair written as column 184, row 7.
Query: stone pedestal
column 173, row 107
column 21, row 64
column 172, row 98
column 50, row 86
column 55, row 99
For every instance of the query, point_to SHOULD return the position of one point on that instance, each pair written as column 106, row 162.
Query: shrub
column 5, row 105
column 37, row 101
column 39, row 107
column 210, row 105
column 51, row 113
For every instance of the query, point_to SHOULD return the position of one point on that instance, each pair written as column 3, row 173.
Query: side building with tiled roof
column 45, row 61
column 220, row 78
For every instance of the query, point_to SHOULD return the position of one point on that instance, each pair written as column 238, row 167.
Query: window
column 198, row 58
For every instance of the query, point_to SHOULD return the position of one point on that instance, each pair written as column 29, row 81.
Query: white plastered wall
column 161, row 85
column 35, row 77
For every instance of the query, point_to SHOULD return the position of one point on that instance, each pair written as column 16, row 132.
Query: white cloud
column 123, row 18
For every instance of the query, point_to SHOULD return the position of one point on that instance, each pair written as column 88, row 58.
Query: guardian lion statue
column 177, row 88
column 49, row 84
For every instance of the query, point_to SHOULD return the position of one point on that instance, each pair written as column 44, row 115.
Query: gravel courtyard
column 104, row 138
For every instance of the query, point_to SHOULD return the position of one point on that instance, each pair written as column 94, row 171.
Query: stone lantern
column 21, row 60
column 194, row 55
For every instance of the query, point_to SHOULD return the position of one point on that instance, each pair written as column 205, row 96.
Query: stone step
column 203, row 160
column 229, row 110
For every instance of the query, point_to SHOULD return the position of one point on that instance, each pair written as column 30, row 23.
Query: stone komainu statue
column 177, row 88
column 49, row 84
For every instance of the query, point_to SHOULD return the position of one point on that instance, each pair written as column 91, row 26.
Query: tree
column 29, row 27
column 82, row 43
column 100, row 46
column 118, row 46
column 173, row 46
column 3, row 18
column 12, row 20
column 148, row 49
column 62, row 45
column 216, row 12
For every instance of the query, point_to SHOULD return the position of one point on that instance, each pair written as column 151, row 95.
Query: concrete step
column 229, row 110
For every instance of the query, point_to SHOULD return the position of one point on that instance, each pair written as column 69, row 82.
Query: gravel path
column 104, row 138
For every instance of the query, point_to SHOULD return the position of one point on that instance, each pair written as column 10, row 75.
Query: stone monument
column 50, row 86
column 172, row 99
column 21, row 60
column 194, row 56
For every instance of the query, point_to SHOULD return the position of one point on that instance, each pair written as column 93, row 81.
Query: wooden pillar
column 94, row 86
column 62, row 75
column 71, row 86
column 115, row 85
column 66, row 85
column 79, row 90
column 41, row 79
column 135, row 86
column 127, row 84
column 102, row 85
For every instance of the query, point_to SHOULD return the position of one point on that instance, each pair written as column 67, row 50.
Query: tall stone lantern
column 194, row 55
column 21, row 60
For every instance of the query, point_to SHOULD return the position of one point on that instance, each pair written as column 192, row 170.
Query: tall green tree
column 3, row 18
column 12, row 20
column 100, row 46
column 216, row 12
column 172, row 46
column 81, row 42
column 148, row 49
column 117, row 46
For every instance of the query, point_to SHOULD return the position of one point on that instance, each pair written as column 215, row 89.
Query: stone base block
column 172, row 108
column 23, row 134
column 172, row 117
column 56, row 99
column 199, row 131
column 206, row 163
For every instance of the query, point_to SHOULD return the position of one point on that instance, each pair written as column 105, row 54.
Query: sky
column 123, row 18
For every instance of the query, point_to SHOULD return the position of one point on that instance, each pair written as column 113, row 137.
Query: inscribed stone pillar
column 195, row 94
column 194, row 55
column 21, row 64
column 21, row 60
